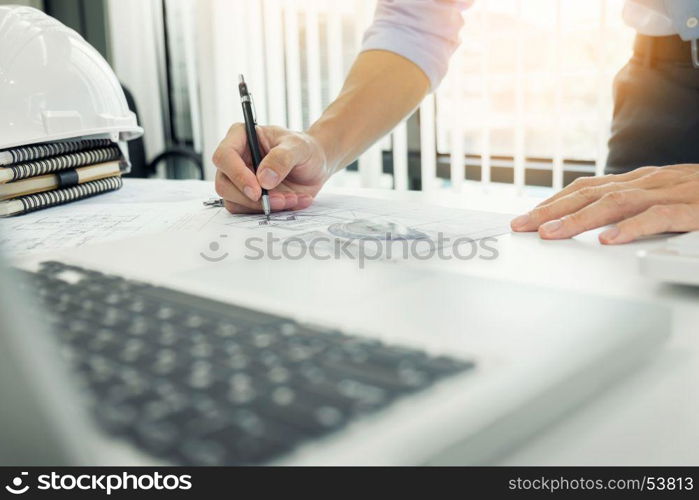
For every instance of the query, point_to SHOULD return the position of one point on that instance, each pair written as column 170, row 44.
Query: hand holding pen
column 285, row 172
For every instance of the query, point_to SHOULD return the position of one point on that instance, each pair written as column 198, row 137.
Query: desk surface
column 649, row 418
column 652, row 416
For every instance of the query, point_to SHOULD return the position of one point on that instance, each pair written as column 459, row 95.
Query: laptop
column 121, row 354
column 677, row 261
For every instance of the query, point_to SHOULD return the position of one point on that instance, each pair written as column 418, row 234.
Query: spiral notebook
column 32, row 152
column 47, row 165
column 30, row 203
column 62, row 179
column 39, row 176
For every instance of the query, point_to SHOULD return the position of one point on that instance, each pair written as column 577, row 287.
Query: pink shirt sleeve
column 424, row 31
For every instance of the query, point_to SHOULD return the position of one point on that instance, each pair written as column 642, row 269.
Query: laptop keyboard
column 200, row 382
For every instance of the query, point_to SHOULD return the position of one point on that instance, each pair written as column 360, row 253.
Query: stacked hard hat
column 64, row 120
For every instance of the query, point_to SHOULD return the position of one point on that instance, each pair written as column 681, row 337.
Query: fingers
column 230, row 192
column 227, row 190
column 563, row 206
column 648, row 200
column 280, row 199
column 229, row 159
column 656, row 219
column 236, row 208
column 289, row 152
column 589, row 182
column 303, row 202
column 242, row 188
column 662, row 177
column 679, row 185
column 612, row 207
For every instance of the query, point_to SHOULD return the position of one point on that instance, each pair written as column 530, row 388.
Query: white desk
column 649, row 418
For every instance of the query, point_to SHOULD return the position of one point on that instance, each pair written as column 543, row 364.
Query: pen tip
column 240, row 78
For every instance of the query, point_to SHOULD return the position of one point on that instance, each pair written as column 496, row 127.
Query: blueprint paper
column 145, row 207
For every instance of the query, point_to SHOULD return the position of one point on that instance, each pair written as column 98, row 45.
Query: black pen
column 253, row 141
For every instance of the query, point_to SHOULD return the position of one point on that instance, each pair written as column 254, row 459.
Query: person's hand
column 293, row 169
column 642, row 202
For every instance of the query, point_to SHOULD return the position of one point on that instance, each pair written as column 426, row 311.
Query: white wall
column 219, row 31
column 132, row 38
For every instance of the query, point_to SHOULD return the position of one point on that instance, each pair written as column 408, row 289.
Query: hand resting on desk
column 645, row 201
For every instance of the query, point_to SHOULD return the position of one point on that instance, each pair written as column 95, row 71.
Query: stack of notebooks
column 44, row 175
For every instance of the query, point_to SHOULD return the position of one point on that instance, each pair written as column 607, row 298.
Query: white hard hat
column 54, row 85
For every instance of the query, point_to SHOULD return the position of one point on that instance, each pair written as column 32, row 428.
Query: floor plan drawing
column 336, row 217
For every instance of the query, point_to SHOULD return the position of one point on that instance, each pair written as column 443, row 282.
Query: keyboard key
column 116, row 418
column 199, row 452
column 303, row 411
column 379, row 375
column 244, row 448
column 158, row 438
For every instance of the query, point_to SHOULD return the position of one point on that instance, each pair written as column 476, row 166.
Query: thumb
column 280, row 160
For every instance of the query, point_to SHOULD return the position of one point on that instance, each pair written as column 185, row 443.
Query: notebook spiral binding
column 60, row 196
column 48, row 165
column 37, row 151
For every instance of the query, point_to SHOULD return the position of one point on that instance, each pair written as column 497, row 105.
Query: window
column 527, row 99
column 528, row 95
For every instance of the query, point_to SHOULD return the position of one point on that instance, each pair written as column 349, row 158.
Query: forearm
column 381, row 89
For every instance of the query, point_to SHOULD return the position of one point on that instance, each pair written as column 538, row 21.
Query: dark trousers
column 656, row 114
